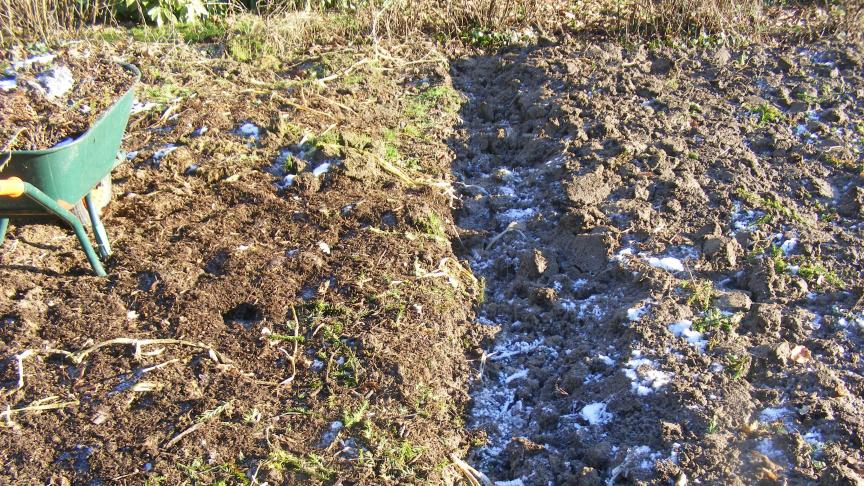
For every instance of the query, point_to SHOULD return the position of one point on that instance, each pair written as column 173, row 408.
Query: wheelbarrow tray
column 68, row 172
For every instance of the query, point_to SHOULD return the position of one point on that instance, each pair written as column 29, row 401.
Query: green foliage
column 351, row 418
column 432, row 225
column 701, row 292
column 816, row 274
column 484, row 38
column 311, row 465
column 737, row 365
column 207, row 30
column 771, row 205
column 163, row 12
column 766, row 113
column 248, row 41
column 715, row 319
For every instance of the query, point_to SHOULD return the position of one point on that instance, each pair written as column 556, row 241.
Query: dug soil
column 51, row 97
column 564, row 264
column 671, row 246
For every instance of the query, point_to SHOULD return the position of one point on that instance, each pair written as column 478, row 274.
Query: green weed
column 164, row 94
column 713, row 319
column 311, row 465
column 766, row 113
column 701, row 293
column 206, row 31
column 349, row 419
column 817, row 274
column 737, row 365
column 485, row 38
column 771, row 206
column 431, row 225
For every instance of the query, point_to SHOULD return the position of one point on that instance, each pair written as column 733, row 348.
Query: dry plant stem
column 177, row 438
column 474, row 477
column 78, row 357
column 293, row 357
column 37, row 406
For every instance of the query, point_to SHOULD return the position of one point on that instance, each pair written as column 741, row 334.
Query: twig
column 19, row 360
column 293, row 357
column 474, row 477
column 79, row 356
column 48, row 403
column 177, row 438
column 5, row 158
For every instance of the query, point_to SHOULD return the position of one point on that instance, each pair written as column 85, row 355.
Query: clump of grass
column 351, row 418
column 737, row 365
column 817, row 274
column 771, row 205
column 766, row 113
column 431, row 225
column 701, row 293
column 714, row 318
column 442, row 97
column 311, row 465
column 208, row 30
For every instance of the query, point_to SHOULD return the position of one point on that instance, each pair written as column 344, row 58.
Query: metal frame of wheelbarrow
column 15, row 187
column 53, row 181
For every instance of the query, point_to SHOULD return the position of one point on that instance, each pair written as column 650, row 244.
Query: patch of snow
column 788, row 245
column 684, row 328
column 766, row 446
column 56, row 82
column 138, row 107
column 639, row 311
column 249, row 129
column 65, row 141
column 623, row 255
column 644, row 376
column 38, row 59
column 286, row 181
column 523, row 373
column 330, row 435
column 164, row 152
column 606, row 360
column 8, row 84
column 814, row 438
column 324, row 247
column 200, row 131
column 517, row 214
column 670, row 264
column 512, row 482
column 321, row 169
column 773, row 414
column 596, row 414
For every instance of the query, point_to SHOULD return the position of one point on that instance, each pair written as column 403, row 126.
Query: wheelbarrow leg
column 98, row 229
column 4, row 225
column 15, row 187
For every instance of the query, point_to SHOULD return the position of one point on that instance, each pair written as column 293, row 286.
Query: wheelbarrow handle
column 12, row 187
column 15, row 187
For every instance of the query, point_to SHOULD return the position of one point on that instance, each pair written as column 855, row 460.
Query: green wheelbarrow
column 56, row 180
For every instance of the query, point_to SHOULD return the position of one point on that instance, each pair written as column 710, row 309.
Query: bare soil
column 586, row 264
column 671, row 244
column 58, row 94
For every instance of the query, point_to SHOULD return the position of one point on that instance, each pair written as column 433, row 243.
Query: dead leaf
column 800, row 354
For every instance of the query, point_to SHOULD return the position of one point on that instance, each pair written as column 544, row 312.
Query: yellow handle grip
column 12, row 187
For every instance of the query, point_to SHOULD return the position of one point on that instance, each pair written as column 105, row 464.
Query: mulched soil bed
column 337, row 316
column 51, row 96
